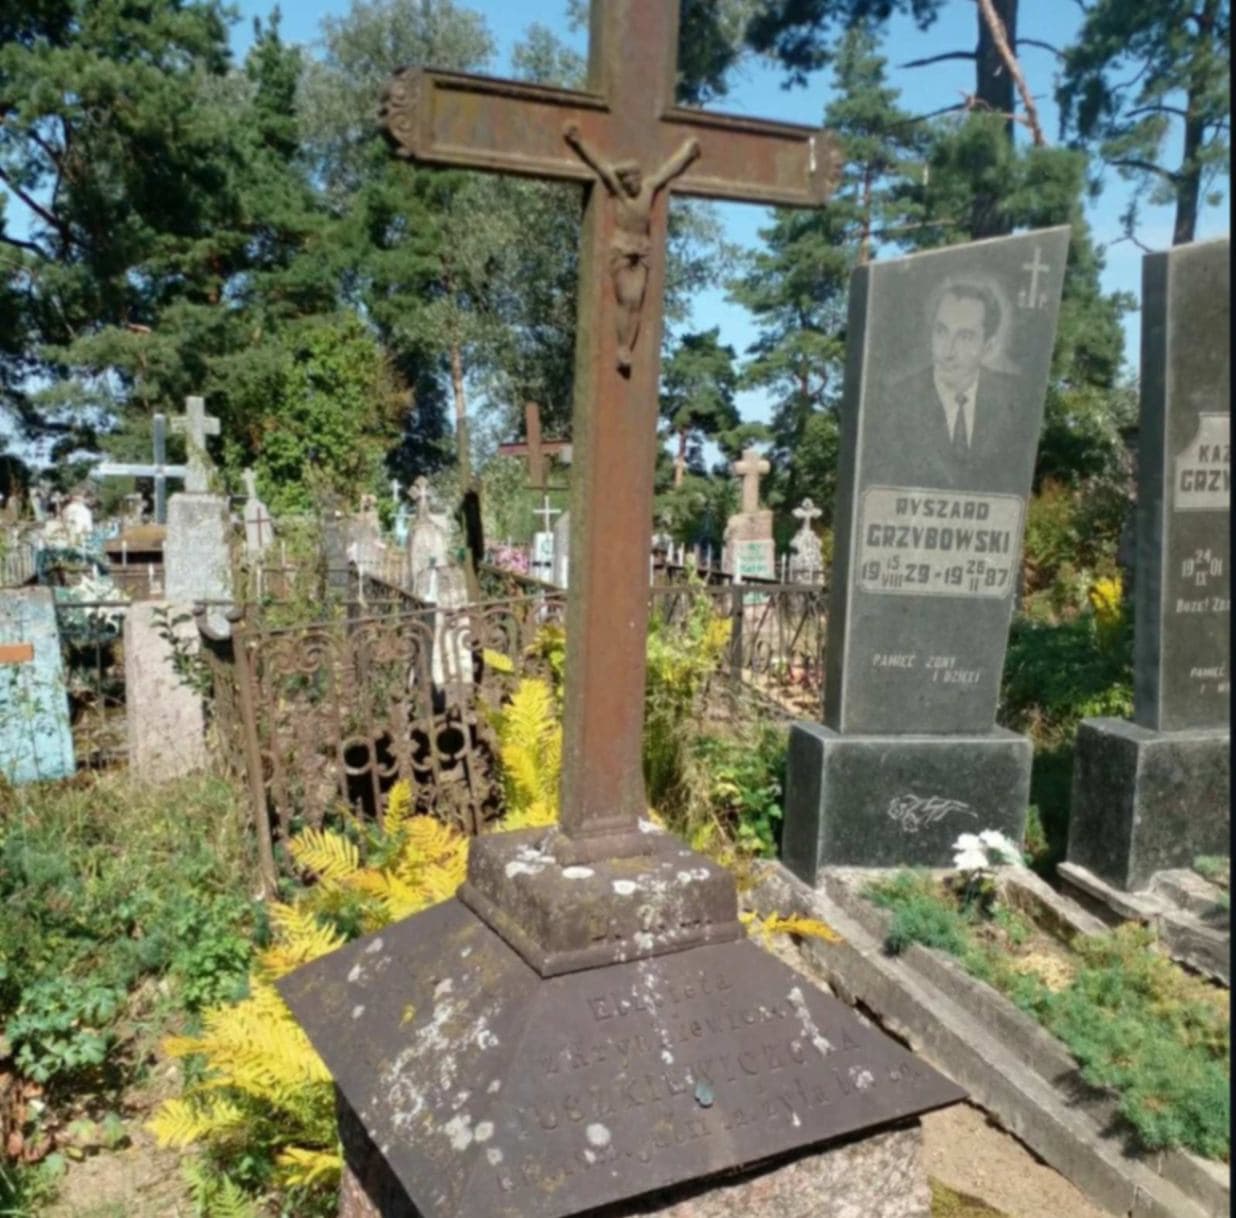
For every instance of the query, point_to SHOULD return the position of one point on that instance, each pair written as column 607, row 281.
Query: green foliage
column 1135, row 1022
column 1215, row 868
column 105, row 884
column 743, row 784
column 698, row 382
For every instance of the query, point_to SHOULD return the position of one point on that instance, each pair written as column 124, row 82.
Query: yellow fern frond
column 398, row 807
column 536, row 815
column 429, row 839
column 300, row 937
column 791, row 924
column 301, row 1166
column 497, row 661
column 399, row 898
column 179, row 1123
column 330, row 856
column 522, row 773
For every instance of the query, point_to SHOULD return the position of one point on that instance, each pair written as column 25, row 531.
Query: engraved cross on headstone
column 750, row 469
column 1030, row 298
column 195, row 425
column 627, row 141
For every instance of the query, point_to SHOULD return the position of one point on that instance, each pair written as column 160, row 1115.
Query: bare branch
column 23, row 245
column 1042, row 46
column 999, row 35
column 1158, row 108
column 922, row 63
column 1132, row 236
column 36, row 207
column 922, row 118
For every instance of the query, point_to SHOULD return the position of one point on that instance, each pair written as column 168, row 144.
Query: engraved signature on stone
column 914, row 812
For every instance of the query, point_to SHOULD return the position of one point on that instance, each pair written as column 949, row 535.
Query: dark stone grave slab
column 1154, row 794
column 946, row 375
column 494, row 1092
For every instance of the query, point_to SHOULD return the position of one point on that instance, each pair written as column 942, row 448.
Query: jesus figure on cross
column 631, row 244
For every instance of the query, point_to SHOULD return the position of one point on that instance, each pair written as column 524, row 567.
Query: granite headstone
column 946, row 376
column 749, row 550
column 1155, row 793
column 36, row 742
column 197, row 561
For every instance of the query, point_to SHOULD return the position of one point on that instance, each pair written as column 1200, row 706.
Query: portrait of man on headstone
column 954, row 414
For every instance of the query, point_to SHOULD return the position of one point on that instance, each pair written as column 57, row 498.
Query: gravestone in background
column 562, row 550
column 35, row 740
column 806, row 561
column 259, row 528
column 946, row 375
column 1155, row 793
column 749, row 548
column 164, row 721
column 429, row 537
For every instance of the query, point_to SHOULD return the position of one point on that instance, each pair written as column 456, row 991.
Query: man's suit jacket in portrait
column 916, row 447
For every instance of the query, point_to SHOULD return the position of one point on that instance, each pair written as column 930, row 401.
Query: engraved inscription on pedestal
column 491, row 1091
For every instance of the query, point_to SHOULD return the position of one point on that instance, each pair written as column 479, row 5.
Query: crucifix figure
column 627, row 114
column 195, row 425
column 750, row 469
column 631, row 244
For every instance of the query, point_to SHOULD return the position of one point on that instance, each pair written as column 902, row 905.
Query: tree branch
column 999, row 35
column 38, row 209
column 1158, row 108
column 1042, row 46
column 1145, row 166
column 922, row 63
column 23, row 245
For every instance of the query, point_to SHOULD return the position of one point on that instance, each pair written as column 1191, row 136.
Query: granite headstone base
column 165, row 725
column 1145, row 801
column 890, row 801
column 877, row 1176
column 197, row 561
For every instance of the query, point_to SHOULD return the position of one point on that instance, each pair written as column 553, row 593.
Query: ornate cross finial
column 749, row 470
column 195, row 425
column 807, row 512
column 419, row 494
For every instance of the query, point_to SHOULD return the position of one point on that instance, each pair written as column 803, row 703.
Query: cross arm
column 120, row 469
column 481, row 122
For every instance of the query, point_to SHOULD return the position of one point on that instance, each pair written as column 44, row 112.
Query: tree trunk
column 461, row 414
column 680, row 461
column 1189, row 178
column 993, row 89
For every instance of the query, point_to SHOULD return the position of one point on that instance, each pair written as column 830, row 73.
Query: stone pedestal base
column 880, row 1176
column 891, row 801
column 1144, row 801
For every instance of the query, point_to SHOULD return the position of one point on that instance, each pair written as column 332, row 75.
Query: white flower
column 970, row 860
column 999, row 848
column 968, row 841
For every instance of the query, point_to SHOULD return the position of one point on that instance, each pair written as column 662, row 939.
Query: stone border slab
column 1007, row 1062
column 1171, row 906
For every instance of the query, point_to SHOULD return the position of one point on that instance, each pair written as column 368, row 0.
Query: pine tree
column 698, row 382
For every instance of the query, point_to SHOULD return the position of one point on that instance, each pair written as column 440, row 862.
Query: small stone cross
column 807, row 512
column 749, row 470
column 419, row 494
column 395, row 490
column 546, row 513
column 249, row 478
column 195, row 425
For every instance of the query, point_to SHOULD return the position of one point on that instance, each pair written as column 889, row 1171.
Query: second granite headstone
column 938, row 443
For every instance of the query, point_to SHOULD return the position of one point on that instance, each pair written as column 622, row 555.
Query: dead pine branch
column 999, row 35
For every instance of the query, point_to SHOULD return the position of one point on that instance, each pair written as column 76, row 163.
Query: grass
column 947, row 1203
column 1137, row 1024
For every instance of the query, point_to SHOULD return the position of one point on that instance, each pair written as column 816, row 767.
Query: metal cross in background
column 535, row 449
column 158, row 469
column 546, row 513
column 195, row 425
column 624, row 138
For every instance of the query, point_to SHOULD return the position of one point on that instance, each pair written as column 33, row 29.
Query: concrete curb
column 1011, row 1066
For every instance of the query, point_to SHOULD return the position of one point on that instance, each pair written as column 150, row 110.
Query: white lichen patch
column 646, row 826
column 375, row 946
column 810, row 1030
column 577, row 873
column 696, row 873
column 667, row 1057
column 644, row 940
column 597, row 1134
column 442, row 989
column 625, row 888
column 495, row 1086
column 358, row 1010
column 861, row 1077
column 494, row 1155
column 356, row 973
column 527, row 861
column 459, row 1130
column 484, row 1131
column 467, row 951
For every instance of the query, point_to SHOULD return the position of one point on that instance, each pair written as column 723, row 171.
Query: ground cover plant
column 1138, row 1024
column 125, row 909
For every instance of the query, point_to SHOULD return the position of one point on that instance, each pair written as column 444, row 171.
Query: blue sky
column 756, row 89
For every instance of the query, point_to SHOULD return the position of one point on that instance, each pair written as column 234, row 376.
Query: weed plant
column 1136, row 1023
column 122, row 906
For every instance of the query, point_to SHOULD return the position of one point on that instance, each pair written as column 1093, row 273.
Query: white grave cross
column 195, row 425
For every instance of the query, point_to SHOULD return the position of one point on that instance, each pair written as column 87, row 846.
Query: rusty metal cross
column 626, row 139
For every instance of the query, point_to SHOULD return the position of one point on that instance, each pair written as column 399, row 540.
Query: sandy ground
column 965, row 1151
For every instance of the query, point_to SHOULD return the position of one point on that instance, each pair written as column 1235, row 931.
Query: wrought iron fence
column 92, row 647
